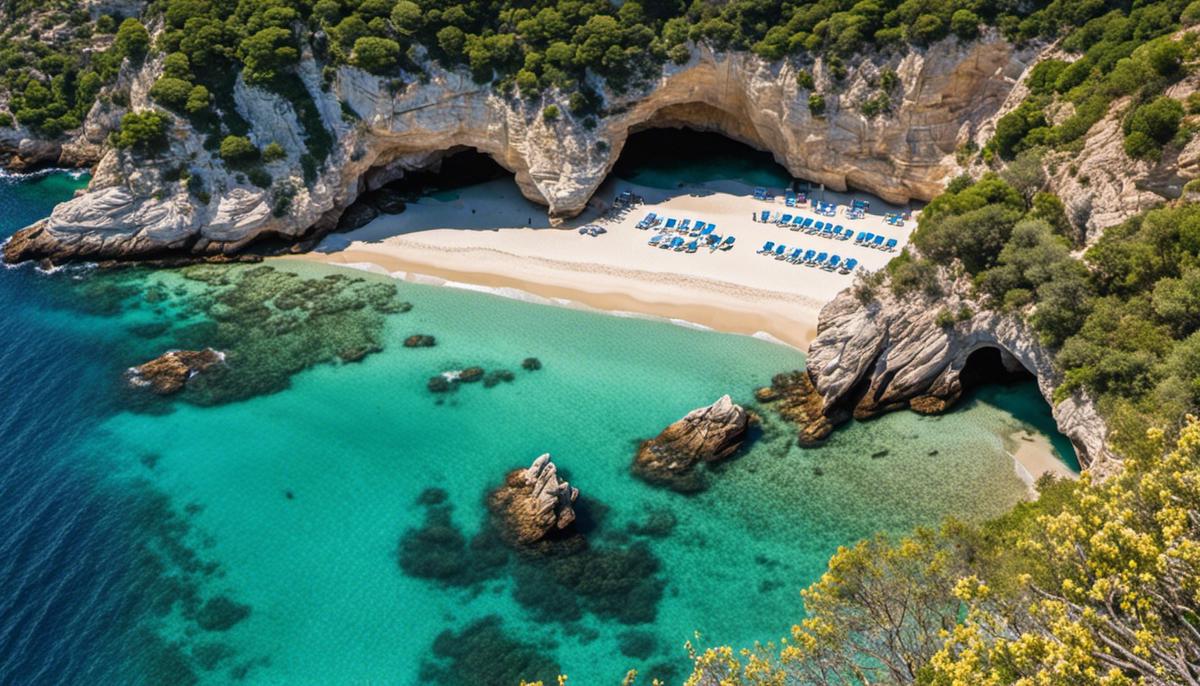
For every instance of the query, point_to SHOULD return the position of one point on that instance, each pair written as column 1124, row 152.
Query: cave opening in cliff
column 672, row 156
column 457, row 168
column 990, row 365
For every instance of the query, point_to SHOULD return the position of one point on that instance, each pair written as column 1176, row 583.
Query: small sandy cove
column 489, row 237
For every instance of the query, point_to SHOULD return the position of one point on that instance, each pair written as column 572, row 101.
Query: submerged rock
column 498, row 376
column 706, row 434
column 470, row 374
column 533, row 503
column 420, row 340
column 795, row 399
column 531, row 364
column 169, row 372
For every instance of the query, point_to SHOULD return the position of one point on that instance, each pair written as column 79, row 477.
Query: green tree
column 144, row 131
column 267, row 53
column 132, row 41
column 238, row 151
column 171, row 92
column 376, row 55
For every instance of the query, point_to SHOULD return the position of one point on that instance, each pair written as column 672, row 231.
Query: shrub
column 376, row 55
column 238, row 151
column 551, row 113
column 132, row 40
column 171, row 92
column 965, row 24
column 176, row 65
column 816, row 104
column 273, row 152
column 1152, row 125
column 805, row 80
column 198, row 100
column 6, row 120
column 144, row 131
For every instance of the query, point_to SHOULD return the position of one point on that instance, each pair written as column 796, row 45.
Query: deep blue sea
column 302, row 517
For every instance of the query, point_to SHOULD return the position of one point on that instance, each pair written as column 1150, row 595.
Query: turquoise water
column 669, row 158
column 251, row 531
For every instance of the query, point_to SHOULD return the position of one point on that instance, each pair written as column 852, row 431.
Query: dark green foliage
column 273, row 153
column 1152, row 125
column 144, row 132
column 172, row 92
column 376, row 55
column 238, row 151
column 816, row 104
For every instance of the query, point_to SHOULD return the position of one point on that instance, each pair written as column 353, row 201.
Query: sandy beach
column 1034, row 457
column 488, row 236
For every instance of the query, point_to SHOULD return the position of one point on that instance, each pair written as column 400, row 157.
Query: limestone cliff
column 134, row 208
column 892, row 353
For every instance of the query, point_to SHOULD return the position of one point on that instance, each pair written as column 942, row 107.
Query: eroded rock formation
column 706, row 434
column 169, row 372
column 892, row 353
column 793, row 396
column 131, row 210
column 533, row 503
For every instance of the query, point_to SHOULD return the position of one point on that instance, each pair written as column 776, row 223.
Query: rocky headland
column 893, row 353
column 704, row 435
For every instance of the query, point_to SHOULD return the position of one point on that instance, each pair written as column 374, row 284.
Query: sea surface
column 312, row 513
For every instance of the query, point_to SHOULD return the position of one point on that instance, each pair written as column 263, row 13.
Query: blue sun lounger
column 760, row 193
column 861, row 235
column 767, row 247
column 846, row 233
column 685, row 224
column 648, row 221
column 785, row 219
column 697, row 229
column 878, row 242
column 809, row 255
column 727, row 244
column 655, row 239
column 868, row 238
column 820, row 259
column 890, row 245
column 708, row 229
column 827, row 232
column 808, row 222
column 797, row 223
column 691, row 247
column 849, row 265
column 789, row 199
column 762, row 216
column 795, row 255
column 836, row 232
column 832, row 263
column 670, row 224
column 779, row 251
column 677, row 243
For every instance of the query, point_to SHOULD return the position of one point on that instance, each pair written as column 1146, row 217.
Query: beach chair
column 860, row 236
column 691, row 247
column 808, row 257
column 795, row 255
column 785, row 219
column 878, row 242
column 727, row 244
column 820, row 259
column 827, row 232
column 760, row 193
column 647, row 221
column 767, row 247
column 819, row 226
column 655, row 239
column 789, row 199
column 762, row 217
column 833, row 263
column 670, row 224
column 708, row 230
column 868, row 238
column 890, row 245
column 846, row 233
column 779, row 251
column 677, row 243
column 849, row 265
column 697, row 229
column 685, row 225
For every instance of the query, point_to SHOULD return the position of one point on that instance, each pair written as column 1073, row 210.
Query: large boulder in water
column 706, row 434
column 169, row 372
column 533, row 503
column 794, row 397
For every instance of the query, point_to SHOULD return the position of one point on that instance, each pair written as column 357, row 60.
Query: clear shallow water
column 669, row 158
column 256, row 541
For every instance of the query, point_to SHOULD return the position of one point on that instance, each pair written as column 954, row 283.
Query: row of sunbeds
column 666, row 241
column 828, row 230
column 809, row 258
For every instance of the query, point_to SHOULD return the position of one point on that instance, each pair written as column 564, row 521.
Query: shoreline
column 1033, row 456
column 756, row 316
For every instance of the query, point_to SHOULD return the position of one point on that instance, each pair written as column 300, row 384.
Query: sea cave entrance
column 667, row 155
column 991, row 365
column 441, row 175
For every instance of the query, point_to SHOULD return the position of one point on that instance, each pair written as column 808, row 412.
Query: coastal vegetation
column 1092, row 583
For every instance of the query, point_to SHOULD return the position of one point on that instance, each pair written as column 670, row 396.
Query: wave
column 9, row 175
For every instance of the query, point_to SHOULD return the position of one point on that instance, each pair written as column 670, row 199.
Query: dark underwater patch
column 483, row 654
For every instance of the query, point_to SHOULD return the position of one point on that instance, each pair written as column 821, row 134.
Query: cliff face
column 892, row 353
column 133, row 210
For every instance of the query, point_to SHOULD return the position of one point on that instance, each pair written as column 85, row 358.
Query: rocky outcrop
column 706, row 434
column 133, row 211
column 169, row 373
column 794, row 398
column 533, row 503
column 893, row 353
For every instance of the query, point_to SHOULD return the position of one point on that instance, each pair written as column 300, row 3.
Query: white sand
column 489, row 236
column 1034, row 456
